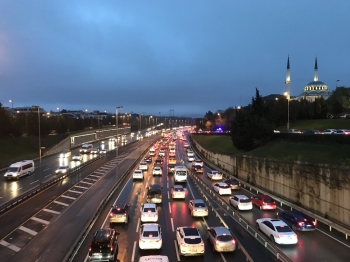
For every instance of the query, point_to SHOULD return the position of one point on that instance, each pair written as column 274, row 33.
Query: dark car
column 297, row 220
column 312, row 132
column 233, row 183
column 148, row 159
column 158, row 162
column 198, row 168
column 154, row 194
column 104, row 245
column 119, row 213
column 171, row 169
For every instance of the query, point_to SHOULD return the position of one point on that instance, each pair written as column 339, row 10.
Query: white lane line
column 61, row 203
column 177, row 251
column 172, row 224
column 83, row 187
column 138, row 224
column 189, row 187
column 222, row 256
column 73, row 191
column 333, row 238
column 40, row 220
column 68, row 197
column 10, row 246
column 34, row 182
column 168, row 196
column 51, row 211
column 133, row 252
column 29, row 231
column 46, row 169
column 91, row 179
column 86, row 183
column 95, row 176
column 48, row 175
column 169, row 208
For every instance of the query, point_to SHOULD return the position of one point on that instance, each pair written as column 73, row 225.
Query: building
column 315, row 89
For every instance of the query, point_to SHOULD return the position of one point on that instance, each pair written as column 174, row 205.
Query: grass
column 319, row 124
column 220, row 144
column 15, row 149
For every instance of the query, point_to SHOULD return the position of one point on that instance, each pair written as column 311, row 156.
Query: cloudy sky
column 150, row 56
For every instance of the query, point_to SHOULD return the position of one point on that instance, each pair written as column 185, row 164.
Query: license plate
column 193, row 250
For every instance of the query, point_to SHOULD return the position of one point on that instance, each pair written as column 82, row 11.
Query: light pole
column 336, row 84
column 40, row 148
column 11, row 101
column 288, row 98
column 116, row 124
column 149, row 121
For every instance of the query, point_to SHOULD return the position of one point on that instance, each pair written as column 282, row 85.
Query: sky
column 162, row 57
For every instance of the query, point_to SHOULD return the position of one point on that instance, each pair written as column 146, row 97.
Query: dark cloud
column 153, row 56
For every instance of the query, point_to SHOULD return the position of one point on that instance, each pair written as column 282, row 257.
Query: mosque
column 312, row 90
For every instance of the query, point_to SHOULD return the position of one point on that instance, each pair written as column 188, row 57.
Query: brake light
column 233, row 241
column 202, row 244
column 90, row 249
column 111, row 214
column 217, row 241
column 124, row 214
column 314, row 222
column 300, row 224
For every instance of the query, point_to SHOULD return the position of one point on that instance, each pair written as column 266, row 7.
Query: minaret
column 288, row 73
column 287, row 93
column 316, row 71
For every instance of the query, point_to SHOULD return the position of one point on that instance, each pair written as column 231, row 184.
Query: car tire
column 272, row 239
column 294, row 228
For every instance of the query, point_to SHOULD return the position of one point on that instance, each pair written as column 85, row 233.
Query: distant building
column 27, row 109
column 315, row 89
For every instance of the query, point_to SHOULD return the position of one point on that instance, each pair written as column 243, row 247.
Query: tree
column 241, row 133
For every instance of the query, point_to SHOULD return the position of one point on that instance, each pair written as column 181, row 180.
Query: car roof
column 150, row 227
column 157, row 167
column 149, row 205
column 198, row 200
column 191, row 231
column 222, row 230
column 241, row 196
column 277, row 222
column 120, row 205
column 102, row 234
column 222, row 184
column 178, row 186
column 138, row 170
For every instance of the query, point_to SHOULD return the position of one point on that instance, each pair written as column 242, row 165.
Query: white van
column 180, row 174
column 86, row 148
column 152, row 152
column 22, row 168
column 154, row 258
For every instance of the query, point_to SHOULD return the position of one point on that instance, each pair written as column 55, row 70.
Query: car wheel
column 257, row 226
column 294, row 228
column 272, row 239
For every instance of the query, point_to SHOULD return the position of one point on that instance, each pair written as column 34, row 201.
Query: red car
column 264, row 202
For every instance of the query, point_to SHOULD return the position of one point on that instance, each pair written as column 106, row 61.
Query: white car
column 222, row 188
column 198, row 208
column 150, row 236
column 172, row 150
column 278, row 231
column 65, row 153
column 137, row 174
column 62, row 170
column 186, row 145
column 149, row 212
column 77, row 157
column 190, row 158
column 189, row 241
column 161, row 152
column 103, row 151
column 143, row 166
column 241, row 202
column 221, row 239
column 178, row 191
column 157, row 170
column 214, row 175
column 95, row 151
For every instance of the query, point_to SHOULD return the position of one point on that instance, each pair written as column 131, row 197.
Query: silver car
column 198, row 208
column 221, row 239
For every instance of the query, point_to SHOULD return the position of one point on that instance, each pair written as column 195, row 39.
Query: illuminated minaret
column 287, row 93
column 315, row 71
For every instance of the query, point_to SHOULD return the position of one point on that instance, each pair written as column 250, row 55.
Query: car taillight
column 300, row 224
column 202, row 244
column 124, row 214
column 90, row 249
column 233, row 241
column 314, row 222
column 157, row 240
column 217, row 241
column 111, row 214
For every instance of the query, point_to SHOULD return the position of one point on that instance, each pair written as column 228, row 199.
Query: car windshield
column 12, row 169
column 153, row 192
column 118, row 211
column 245, row 200
column 192, row 240
column 181, row 173
column 225, row 238
column 283, row 229
column 269, row 200
column 199, row 205
column 63, row 167
column 223, row 186
column 150, row 233
column 149, row 209
column 178, row 189
column 214, row 172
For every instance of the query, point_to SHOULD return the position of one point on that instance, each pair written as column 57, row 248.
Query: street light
column 287, row 95
column 11, row 101
column 116, row 124
column 58, row 109
column 149, row 121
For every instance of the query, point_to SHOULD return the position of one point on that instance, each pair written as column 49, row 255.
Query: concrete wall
column 319, row 188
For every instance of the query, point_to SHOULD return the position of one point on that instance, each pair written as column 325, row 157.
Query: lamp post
column 287, row 94
column 11, row 101
column 149, row 121
column 116, row 124
column 336, row 84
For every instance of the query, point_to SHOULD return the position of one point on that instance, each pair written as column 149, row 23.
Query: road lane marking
column 48, row 175
column 73, row 191
column 51, row 211
column 46, row 169
column 34, row 182
column 83, row 187
column 169, row 208
column 86, row 183
column 133, row 252
column 40, row 220
column 61, row 203
column 69, row 197
column 10, row 246
column 177, row 251
column 138, row 224
column 29, row 231
column 172, row 224
column 168, row 196
column 222, row 256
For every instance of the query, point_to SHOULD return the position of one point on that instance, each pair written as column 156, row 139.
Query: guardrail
column 331, row 225
column 76, row 246
column 210, row 194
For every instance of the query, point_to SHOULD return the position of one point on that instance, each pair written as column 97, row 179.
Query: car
column 172, row 160
column 297, row 220
column 222, row 188
column 171, row 169
column 148, row 159
column 152, row 151
column 171, row 154
column 137, row 174
column 233, row 183
column 157, row 170
column 111, row 139
column 329, row 131
column 143, row 166
column 62, row 170
column 190, row 153
column 172, row 150
column 161, row 152
column 342, row 132
column 264, row 202
column 198, row 169
column 214, row 175
column 154, row 194
column 177, row 191
column 277, row 230
column 158, row 162
column 198, row 208
column 150, row 237
column 119, row 213
column 154, row 258
column 189, row 241
column 294, row 131
column 103, row 151
column 221, row 239
column 186, row 145
column 241, row 202
column 197, row 161
column 95, row 151
column 77, row 157
column 312, row 132
column 104, row 245
column 65, row 153
column 149, row 212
